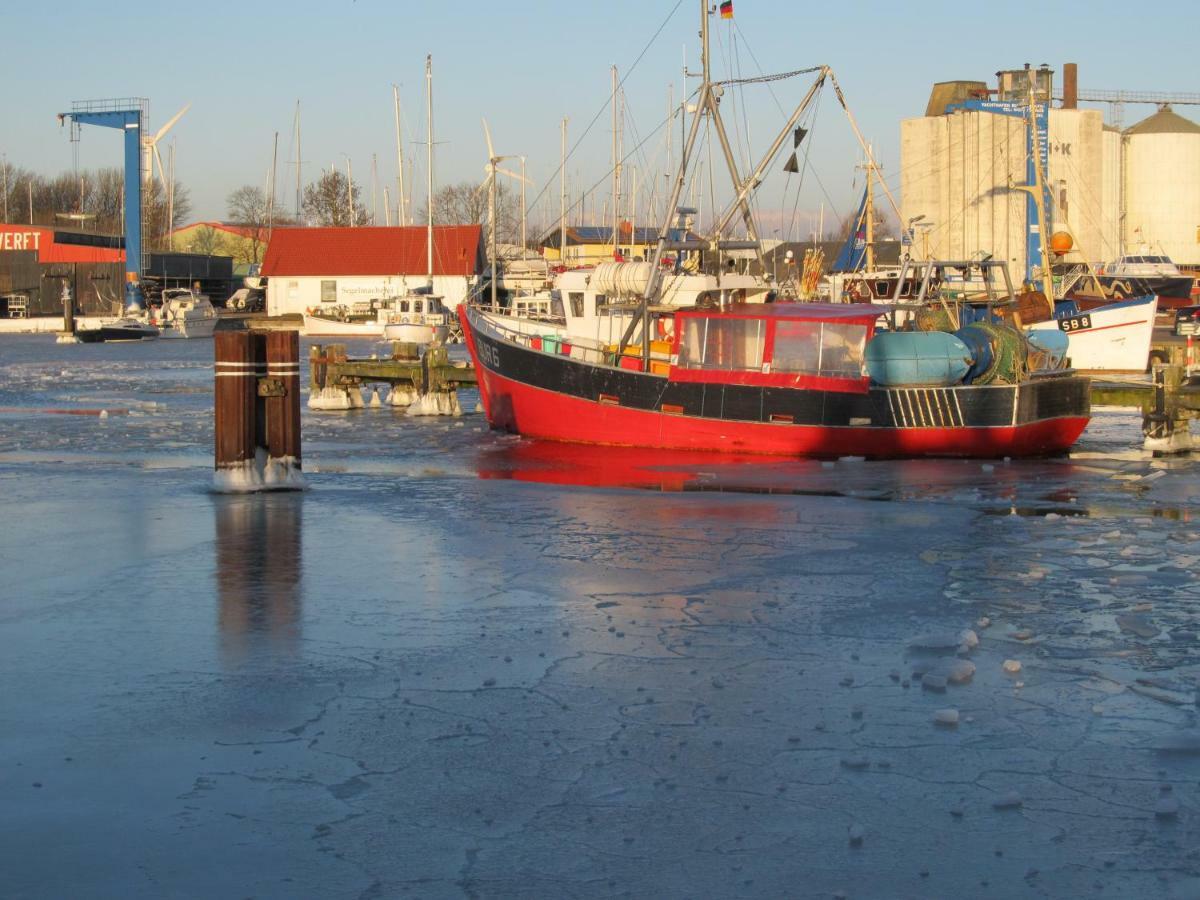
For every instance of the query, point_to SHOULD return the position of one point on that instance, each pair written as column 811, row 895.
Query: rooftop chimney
column 1070, row 86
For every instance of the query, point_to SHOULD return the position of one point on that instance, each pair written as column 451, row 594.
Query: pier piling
column 257, row 411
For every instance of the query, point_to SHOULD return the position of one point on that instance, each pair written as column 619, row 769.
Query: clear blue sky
column 524, row 66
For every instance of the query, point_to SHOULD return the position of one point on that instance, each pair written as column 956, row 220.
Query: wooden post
column 316, row 368
column 283, row 409
column 257, row 408
column 235, row 400
column 68, row 312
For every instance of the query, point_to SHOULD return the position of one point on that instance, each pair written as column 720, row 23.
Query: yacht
column 1136, row 276
column 186, row 314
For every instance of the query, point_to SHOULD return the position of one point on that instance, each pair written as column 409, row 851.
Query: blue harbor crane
column 129, row 115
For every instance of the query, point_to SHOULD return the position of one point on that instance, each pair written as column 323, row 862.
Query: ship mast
column 399, row 159
column 429, row 166
column 707, row 104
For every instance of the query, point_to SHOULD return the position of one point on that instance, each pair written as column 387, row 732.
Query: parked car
column 246, row 300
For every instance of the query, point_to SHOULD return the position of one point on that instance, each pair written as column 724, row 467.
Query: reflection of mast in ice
column 258, row 574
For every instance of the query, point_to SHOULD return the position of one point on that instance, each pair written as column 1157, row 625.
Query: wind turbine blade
column 488, row 136
column 162, row 172
column 514, row 175
column 175, row 118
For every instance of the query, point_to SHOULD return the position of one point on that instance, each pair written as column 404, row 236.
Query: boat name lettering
column 1075, row 323
column 489, row 355
column 1063, row 147
column 20, row 240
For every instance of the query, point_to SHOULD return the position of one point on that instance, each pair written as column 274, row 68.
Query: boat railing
column 582, row 349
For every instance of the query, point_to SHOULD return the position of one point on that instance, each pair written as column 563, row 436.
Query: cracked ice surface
column 464, row 665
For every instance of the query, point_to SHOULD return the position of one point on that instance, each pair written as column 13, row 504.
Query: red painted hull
column 540, row 413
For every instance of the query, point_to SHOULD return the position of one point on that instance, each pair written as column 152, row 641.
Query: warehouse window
column 328, row 291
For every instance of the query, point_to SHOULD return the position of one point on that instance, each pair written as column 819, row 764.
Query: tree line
column 93, row 200
column 88, row 200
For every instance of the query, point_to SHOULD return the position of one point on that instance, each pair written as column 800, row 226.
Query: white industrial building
column 307, row 268
column 1111, row 192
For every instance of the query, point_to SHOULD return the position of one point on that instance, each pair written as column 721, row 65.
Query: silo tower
column 1162, row 187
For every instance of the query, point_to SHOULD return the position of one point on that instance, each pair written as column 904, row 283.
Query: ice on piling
column 263, row 473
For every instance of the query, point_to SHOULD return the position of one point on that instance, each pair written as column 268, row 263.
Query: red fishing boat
column 772, row 378
column 784, row 379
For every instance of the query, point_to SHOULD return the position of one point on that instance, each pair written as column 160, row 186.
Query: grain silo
column 1162, row 187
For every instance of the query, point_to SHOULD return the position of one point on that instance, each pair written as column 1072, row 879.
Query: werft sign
column 20, row 240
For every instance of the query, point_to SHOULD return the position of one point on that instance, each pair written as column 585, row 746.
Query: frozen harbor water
column 466, row 665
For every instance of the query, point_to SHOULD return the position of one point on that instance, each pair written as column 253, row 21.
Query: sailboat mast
column 298, row 158
column 616, row 168
column 429, row 166
column 524, row 212
column 271, row 192
column 399, row 158
column 562, row 198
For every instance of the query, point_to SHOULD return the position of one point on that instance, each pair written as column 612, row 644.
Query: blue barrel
column 917, row 358
column 1049, row 348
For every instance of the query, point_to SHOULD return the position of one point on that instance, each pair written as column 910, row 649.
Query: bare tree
column 247, row 207
column 327, row 202
column 467, row 204
column 206, row 240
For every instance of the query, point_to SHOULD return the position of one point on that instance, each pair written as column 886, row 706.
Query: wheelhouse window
column 828, row 349
column 576, row 298
column 723, row 344
column 418, row 306
column 556, row 304
column 329, row 292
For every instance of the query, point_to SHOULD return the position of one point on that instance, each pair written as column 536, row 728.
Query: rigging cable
column 601, row 110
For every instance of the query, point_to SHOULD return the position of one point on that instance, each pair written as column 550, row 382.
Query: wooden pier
column 1168, row 401
column 427, row 382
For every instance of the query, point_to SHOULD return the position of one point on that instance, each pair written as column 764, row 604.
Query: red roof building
column 346, row 252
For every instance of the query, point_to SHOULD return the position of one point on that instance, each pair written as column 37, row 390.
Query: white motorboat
column 114, row 330
column 186, row 314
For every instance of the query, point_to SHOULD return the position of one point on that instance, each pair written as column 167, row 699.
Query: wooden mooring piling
column 257, row 411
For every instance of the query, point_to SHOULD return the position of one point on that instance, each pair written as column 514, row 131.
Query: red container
column 631, row 362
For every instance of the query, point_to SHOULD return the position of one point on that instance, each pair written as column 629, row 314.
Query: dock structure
column 427, row 384
column 1168, row 402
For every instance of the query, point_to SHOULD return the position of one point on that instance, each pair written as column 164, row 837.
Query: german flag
column 727, row 9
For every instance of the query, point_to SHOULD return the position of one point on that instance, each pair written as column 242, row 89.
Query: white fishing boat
column 1111, row 338
column 186, row 314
